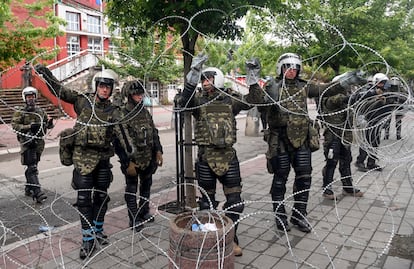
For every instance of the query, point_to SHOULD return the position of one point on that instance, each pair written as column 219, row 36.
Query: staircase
column 10, row 99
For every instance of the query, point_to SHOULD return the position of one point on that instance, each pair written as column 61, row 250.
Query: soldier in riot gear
column 291, row 136
column 215, row 134
column 395, row 99
column 30, row 123
column 98, row 121
column 145, row 160
column 338, row 138
column 371, row 105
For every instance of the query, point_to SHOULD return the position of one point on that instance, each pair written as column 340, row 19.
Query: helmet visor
column 291, row 66
column 104, row 81
column 208, row 75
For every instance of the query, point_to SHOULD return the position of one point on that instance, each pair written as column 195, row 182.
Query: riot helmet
column 133, row 87
column 288, row 61
column 107, row 77
column 29, row 91
column 212, row 72
column 379, row 78
column 393, row 84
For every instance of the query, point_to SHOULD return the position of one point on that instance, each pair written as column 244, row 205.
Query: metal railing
column 74, row 64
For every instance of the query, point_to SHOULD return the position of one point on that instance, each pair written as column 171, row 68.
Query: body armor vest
column 141, row 130
column 93, row 130
column 27, row 118
column 292, row 113
column 216, row 126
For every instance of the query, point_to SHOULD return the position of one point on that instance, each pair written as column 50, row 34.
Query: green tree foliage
column 190, row 19
column 19, row 38
column 148, row 57
column 352, row 33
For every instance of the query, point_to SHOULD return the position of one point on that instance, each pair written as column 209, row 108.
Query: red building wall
column 13, row 77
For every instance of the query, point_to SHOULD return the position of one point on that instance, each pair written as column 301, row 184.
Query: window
column 95, row 45
column 94, row 24
column 72, row 20
column 73, row 45
column 112, row 48
column 153, row 92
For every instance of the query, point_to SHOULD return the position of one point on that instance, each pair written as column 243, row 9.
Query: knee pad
column 278, row 185
column 303, row 161
column 234, row 203
column 81, row 181
column 232, row 178
column 281, row 165
column 100, row 197
column 103, row 177
column 303, row 183
column 84, row 199
column 205, row 176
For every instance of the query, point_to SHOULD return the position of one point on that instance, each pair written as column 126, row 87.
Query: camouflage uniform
column 338, row 138
column 144, row 135
column 215, row 135
column 288, row 138
column 94, row 131
column 30, row 124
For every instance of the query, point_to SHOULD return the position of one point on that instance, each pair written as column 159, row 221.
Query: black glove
column 193, row 77
column 350, row 78
column 47, row 75
column 35, row 127
column 271, row 90
column 253, row 68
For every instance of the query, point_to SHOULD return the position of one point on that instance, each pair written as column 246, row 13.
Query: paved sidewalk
column 375, row 231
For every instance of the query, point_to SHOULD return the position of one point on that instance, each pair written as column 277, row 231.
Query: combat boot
column 237, row 250
column 302, row 224
column 361, row 167
column 137, row 226
column 282, row 224
column 147, row 217
column 281, row 218
column 375, row 167
column 101, row 238
column 39, row 196
column 328, row 194
column 299, row 211
column 87, row 248
column 351, row 191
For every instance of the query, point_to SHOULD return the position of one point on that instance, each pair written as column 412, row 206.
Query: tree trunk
column 188, row 53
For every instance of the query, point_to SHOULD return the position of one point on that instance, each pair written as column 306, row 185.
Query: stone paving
column 375, row 231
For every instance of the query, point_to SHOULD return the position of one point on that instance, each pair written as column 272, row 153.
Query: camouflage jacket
column 96, row 126
column 337, row 118
column 289, row 117
column 22, row 121
column 143, row 133
column 215, row 126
